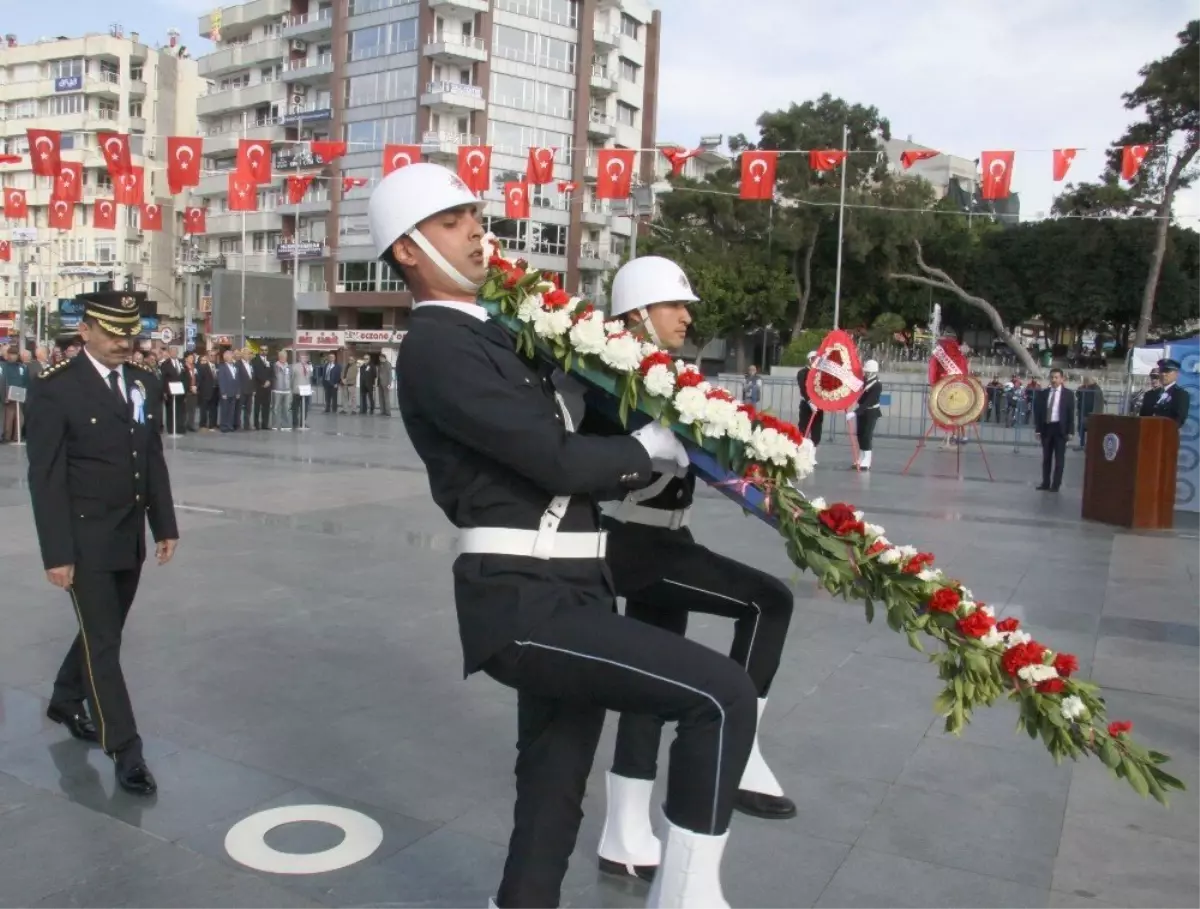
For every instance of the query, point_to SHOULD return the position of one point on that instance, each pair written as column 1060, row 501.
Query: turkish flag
column 398, row 156
column 997, row 169
column 68, row 185
column 349, row 183
column 297, row 186
column 516, row 201
column 44, row 145
column 151, row 217
column 115, row 148
column 614, row 173
column 825, row 158
column 5, row 251
column 475, row 167
column 678, row 158
column 14, row 204
column 195, row 221
column 1062, row 162
column 62, row 215
column 104, row 214
column 567, row 186
column 243, row 193
column 129, row 189
column 254, row 160
column 10, row 159
column 540, row 169
column 325, row 150
column 913, row 155
column 183, row 162
column 1131, row 160
column 758, row 175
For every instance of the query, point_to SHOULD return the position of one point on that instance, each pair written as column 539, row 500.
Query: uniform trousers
column 865, row 430
column 695, row 579
column 1054, row 451
column 92, row 667
column 807, row 417
column 570, row 669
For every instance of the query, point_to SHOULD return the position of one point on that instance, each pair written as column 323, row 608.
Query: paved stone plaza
column 302, row 650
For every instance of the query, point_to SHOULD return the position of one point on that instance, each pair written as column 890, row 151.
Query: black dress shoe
column 1054, row 489
column 769, row 807
column 1044, row 487
column 616, row 869
column 136, row 778
column 75, row 718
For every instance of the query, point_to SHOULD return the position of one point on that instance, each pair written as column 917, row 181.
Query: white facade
column 937, row 171
column 82, row 86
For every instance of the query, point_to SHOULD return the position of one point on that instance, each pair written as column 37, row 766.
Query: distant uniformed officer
column 96, row 474
column 664, row 575
column 812, row 419
column 1172, row 400
column 536, row 608
column 865, row 414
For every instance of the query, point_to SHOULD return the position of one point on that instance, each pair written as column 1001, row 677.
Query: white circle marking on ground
column 246, row 845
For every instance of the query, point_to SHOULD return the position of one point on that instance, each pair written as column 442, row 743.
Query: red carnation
column 512, row 279
column 1119, row 727
column 1017, row 658
column 522, row 264
column 584, row 313
column 976, row 625
column 718, row 394
column 1008, row 625
column 658, row 358
column 1051, row 686
column 688, row 378
column 945, row 599
column 754, row 473
column 918, row 563
column 499, row 262
column 1066, row 663
column 749, row 411
column 840, row 518
column 556, row 299
column 876, row 548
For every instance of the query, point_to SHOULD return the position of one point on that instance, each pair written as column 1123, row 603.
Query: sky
column 961, row 76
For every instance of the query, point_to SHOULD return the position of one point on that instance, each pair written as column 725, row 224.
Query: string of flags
column 253, row 169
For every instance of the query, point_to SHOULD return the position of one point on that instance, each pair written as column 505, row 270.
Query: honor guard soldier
column 866, row 414
column 1172, row 401
column 812, row 419
column 664, row 574
column 536, row 609
column 96, row 474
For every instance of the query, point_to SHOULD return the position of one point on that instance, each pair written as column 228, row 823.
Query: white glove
column 662, row 444
column 850, row 415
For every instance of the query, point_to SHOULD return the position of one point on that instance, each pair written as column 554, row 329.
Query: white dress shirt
column 1052, row 406
column 471, row 309
column 104, row 371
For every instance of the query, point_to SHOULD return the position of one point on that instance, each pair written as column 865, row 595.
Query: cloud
column 960, row 77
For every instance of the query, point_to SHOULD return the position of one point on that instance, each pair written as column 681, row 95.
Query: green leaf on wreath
column 1136, row 778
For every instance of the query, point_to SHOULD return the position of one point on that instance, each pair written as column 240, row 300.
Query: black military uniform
column 536, row 608
column 866, row 415
column 1172, row 400
column 811, row 418
column 96, row 474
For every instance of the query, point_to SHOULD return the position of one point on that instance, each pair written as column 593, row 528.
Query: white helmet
column 871, row 367
column 405, row 198
column 640, row 283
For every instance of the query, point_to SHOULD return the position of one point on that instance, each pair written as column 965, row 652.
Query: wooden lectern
column 1129, row 477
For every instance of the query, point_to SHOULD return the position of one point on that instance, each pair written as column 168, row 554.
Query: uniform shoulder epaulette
column 142, row 366
column 54, row 370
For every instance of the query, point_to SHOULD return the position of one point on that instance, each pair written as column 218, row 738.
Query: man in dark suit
column 206, row 392
column 1172, row 401
column 1054, row 422
column 263, row 371
column 246, row 386
column 172, row 371
column 96, row 475
column 229, row 387
column 331, row 379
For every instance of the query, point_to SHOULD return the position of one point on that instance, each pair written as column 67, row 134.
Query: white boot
column 492, row 903
column 628, row 846
column 864, row 460
column 690, row 874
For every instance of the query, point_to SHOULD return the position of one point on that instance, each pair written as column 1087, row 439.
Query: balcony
column 591, row 258
column 137, row 124
column 602, row 82
column 137, row 88
column 232, row 99
column 309, row 69
column 238, row 20
column 309, row 27
column 450, row 48
column 226, row 141
column 315, row 202
column 595, row 213
column 453, row 97
column 601, row 126
column 445, row 145
column 312, row 297
column 253, row 262
column 307, row 114
column 606, row 39
column 230, row 222
column 104, row 85
column 240, row 56
column 458, row 6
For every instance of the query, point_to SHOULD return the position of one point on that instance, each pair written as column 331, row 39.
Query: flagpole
column 242, row 345
column 296, row 242
column 837, row 285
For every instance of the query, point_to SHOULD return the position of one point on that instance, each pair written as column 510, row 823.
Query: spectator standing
column 281, row 392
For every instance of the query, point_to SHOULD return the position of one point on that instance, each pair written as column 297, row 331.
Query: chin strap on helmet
column 644, row 312
column 440, row 261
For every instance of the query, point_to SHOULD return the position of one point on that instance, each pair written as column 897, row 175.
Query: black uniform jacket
column 487, row 426
column 1172, row 402
column 95, row 473
column 868, row 401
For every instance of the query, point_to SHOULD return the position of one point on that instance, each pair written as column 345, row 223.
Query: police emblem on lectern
column 1112, row 444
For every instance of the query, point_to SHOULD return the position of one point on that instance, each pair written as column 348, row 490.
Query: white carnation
column 890, row 556
column 1073, row 707
column 660, row 381
column 858, row 515
column 818, row 503
column 771, row 446
column 648, row 349
column 740, row 427
column 908, row 551
column 927, row 574
column 529, row 308
column 987, row 610
column 873, row 531
column 718, row 417
column 587, row 335
column 490, row 247
column 551, row 323
column 993, row 638
column 623, row 353
column 966, row 593
column 691, row 405
column 614, row 327
column 804, row 459
column 1013, row 638
column 1038, row 672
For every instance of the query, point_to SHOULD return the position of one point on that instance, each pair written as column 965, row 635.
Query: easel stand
column 18, row 442
column 957, row 451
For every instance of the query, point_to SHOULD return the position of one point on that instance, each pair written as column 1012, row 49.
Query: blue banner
column 68, row 83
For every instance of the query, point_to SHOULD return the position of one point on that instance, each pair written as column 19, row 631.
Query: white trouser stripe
column 720, row 736
column 712, row 593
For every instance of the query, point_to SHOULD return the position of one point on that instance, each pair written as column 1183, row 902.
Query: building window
column 354, row 230
column 106, row 251
column 382, row 40
column 135, row 73
column 630, row 71
column 24, row 110
column 64, row 69
column 560, row 12
column 630, row 27
column 626, row 114
column 526, row 47
column 61, row 105
column 393, row 85
column 135, row 109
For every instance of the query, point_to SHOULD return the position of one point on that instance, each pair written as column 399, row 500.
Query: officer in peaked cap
column 1172, row 401
column 536, row 608
column 96, row 475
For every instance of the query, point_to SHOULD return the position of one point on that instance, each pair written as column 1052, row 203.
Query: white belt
column 532, row 543
column 631, row 513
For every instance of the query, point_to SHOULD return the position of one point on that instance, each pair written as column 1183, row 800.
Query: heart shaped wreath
column 983, row 656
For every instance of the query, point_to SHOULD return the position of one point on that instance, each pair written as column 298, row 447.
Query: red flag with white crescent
column 678, row 158
column 475, row 167
column 151, row 217
column 398, row 156
column 254, row 160
column 566, row 187
column 129, row 188
column 913, row 155
column 68, row 185
column 349, row 183
column 825, row 158
column 242, row 193
column 44, row 146
column 1131, row 160
column 104, row 214
column 5, row 251
column 614, row 173
column 1062, row 162
column 997, row 174
column 115, row 148
column 540, row 169
column 62, row 215
column 297, row 186
column 195, row 220
column 516, row 200
column 15, row 206
column 10, row 159
column 758, row 175
column 325, row 150
column 183, row 162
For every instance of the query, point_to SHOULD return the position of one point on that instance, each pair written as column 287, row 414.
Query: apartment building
column 82, row 86
column 953, row 176
column 573, row 75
